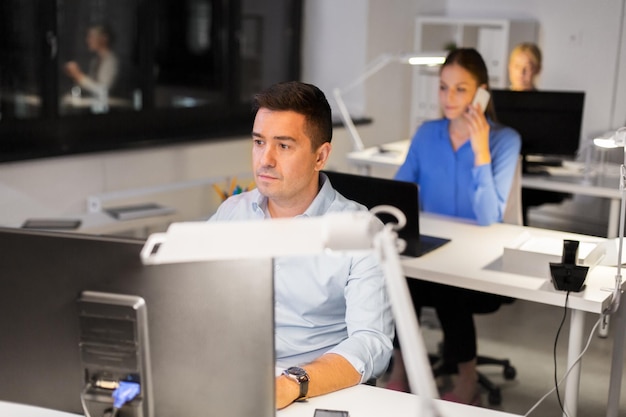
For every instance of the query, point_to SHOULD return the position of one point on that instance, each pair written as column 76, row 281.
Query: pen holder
column 234, row 189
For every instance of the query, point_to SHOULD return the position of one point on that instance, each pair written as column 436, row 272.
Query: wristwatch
column 301, row 377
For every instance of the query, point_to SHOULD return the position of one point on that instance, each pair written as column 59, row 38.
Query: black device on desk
column 567, row 275
column 374, row 191
column 78, row 312
column 549, row 123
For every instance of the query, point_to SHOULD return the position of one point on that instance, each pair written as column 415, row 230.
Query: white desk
column 566, row 179
column 103, row 223
column 570, row 179
column 389, row 155
column 473, row 260
column 368, row 401
column 360, row 401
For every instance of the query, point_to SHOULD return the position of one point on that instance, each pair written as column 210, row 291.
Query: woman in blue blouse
column 464, row 164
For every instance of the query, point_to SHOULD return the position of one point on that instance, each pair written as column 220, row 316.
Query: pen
column 219, row 192
column 233, row 184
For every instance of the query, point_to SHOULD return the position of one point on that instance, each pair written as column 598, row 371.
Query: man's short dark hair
column 302, row 98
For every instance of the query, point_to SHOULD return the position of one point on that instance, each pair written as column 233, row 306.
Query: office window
column 89, row 75
column 20, row 57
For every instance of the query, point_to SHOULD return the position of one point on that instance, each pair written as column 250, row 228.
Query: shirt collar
column 319, row 206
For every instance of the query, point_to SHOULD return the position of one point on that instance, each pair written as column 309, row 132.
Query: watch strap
column 302, row 379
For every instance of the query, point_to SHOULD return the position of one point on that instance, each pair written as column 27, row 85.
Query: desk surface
column 572, row 177
column 569, row 178
column 473, row 260
column 360, row 401
column 368, row 401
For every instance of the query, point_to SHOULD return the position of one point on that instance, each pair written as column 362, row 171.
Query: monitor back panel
column 373, row 191
column 210, row 324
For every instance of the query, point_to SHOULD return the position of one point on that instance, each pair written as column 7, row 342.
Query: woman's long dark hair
column 470, row 60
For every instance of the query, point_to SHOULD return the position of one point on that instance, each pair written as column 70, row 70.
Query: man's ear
column 322, row 153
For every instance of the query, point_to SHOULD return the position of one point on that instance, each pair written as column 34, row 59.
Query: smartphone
column 320, row 412
column 481, row 98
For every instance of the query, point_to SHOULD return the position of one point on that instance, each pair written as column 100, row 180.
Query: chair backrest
column 513, row 209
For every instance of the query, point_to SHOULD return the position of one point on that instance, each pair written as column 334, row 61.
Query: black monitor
column 549, row 122
column 79, row 310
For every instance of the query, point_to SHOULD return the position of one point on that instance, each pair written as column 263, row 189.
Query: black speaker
column 567, row 276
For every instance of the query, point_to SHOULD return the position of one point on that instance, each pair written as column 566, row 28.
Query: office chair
column 512, row 215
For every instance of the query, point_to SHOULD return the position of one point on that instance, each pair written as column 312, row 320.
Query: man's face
column 286, row 168
column 95, row 39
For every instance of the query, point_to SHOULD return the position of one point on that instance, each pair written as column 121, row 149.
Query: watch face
column 294, row 370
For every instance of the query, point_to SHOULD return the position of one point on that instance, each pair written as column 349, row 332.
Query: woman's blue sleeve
column 493, row 181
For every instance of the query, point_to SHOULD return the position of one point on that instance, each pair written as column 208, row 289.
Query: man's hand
column 73, row 71
column 287, row 390
column 479, row 134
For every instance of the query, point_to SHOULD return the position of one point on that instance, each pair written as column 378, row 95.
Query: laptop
column 373, row 191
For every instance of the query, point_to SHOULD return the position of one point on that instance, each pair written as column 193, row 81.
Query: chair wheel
column 494, row 397
column 509, row 372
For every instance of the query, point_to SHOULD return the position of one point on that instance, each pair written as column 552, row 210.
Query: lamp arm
column 407, row 327
column 357, row 142
column 387, row 247
column 618, row 275
column 372, row 68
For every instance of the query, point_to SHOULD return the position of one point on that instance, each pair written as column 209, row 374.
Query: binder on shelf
column 139, row 211
column 49, row 223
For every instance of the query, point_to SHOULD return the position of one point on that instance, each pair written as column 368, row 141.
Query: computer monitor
column 549, row 122
column 209, row 327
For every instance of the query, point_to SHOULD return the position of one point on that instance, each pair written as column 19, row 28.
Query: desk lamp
column 617, row 139
column 332, row 233
column 428, row 59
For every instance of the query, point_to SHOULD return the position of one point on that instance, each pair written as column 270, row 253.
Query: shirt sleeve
column 107, row 73
column 492, row 182
column 369, row 319
column 409, row 170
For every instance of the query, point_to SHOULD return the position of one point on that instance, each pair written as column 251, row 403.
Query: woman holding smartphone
column 464, row 164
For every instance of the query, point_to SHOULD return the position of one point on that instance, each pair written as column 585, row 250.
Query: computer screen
column 208, row 326
column 549, row 122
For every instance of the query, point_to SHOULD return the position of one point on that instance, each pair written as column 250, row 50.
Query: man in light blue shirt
column 333, row 319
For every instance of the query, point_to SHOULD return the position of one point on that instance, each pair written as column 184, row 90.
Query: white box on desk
column 531, row 255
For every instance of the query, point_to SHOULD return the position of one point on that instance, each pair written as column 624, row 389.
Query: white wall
column 580, row 41
column 582, row 51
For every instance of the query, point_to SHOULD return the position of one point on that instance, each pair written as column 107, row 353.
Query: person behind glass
column 524, row 67
column 104, row 66
column 333, row 321
column 464, row 164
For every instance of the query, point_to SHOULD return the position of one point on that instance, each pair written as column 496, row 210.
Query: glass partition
column 98, row 67
column 89, row 75
column 20, row 60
